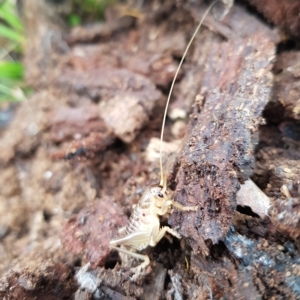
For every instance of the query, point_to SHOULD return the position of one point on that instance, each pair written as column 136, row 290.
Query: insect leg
column 182, row 207
column 134, row 240
column 159, row 234
column 164, row 209
column 145, row 258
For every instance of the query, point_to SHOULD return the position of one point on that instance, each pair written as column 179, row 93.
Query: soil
column 78, row 154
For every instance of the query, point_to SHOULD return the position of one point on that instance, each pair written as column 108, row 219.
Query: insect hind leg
column 145, row 258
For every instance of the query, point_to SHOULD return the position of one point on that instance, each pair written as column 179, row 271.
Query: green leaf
column 11, row 34
column 8, row 15
column 11, row 70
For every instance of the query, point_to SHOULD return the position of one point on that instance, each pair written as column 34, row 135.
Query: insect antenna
column 163, row 176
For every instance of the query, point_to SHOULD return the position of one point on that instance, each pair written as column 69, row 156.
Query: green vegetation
column 88, row 10
column 12, row 41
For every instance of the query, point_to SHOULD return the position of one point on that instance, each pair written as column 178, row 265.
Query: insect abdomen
column 139, row 220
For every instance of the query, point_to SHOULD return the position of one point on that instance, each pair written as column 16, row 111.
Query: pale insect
column 143, row 228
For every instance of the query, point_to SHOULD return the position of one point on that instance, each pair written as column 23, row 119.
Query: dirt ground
column 80, row 152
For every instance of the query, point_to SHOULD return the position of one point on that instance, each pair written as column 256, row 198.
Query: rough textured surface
column 284, row 14
column 49, row 282
column 115, row 87
column 286, row 89
column 218, row 152
column 88, row 233
column 69, row 123
column 86, row 198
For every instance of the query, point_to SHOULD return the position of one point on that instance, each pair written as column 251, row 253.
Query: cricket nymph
column 143, row 228
column 145, row 214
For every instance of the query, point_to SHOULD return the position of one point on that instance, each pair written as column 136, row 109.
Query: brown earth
column 81, row 150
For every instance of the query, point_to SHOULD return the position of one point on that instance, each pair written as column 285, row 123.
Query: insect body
column 143, row 228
